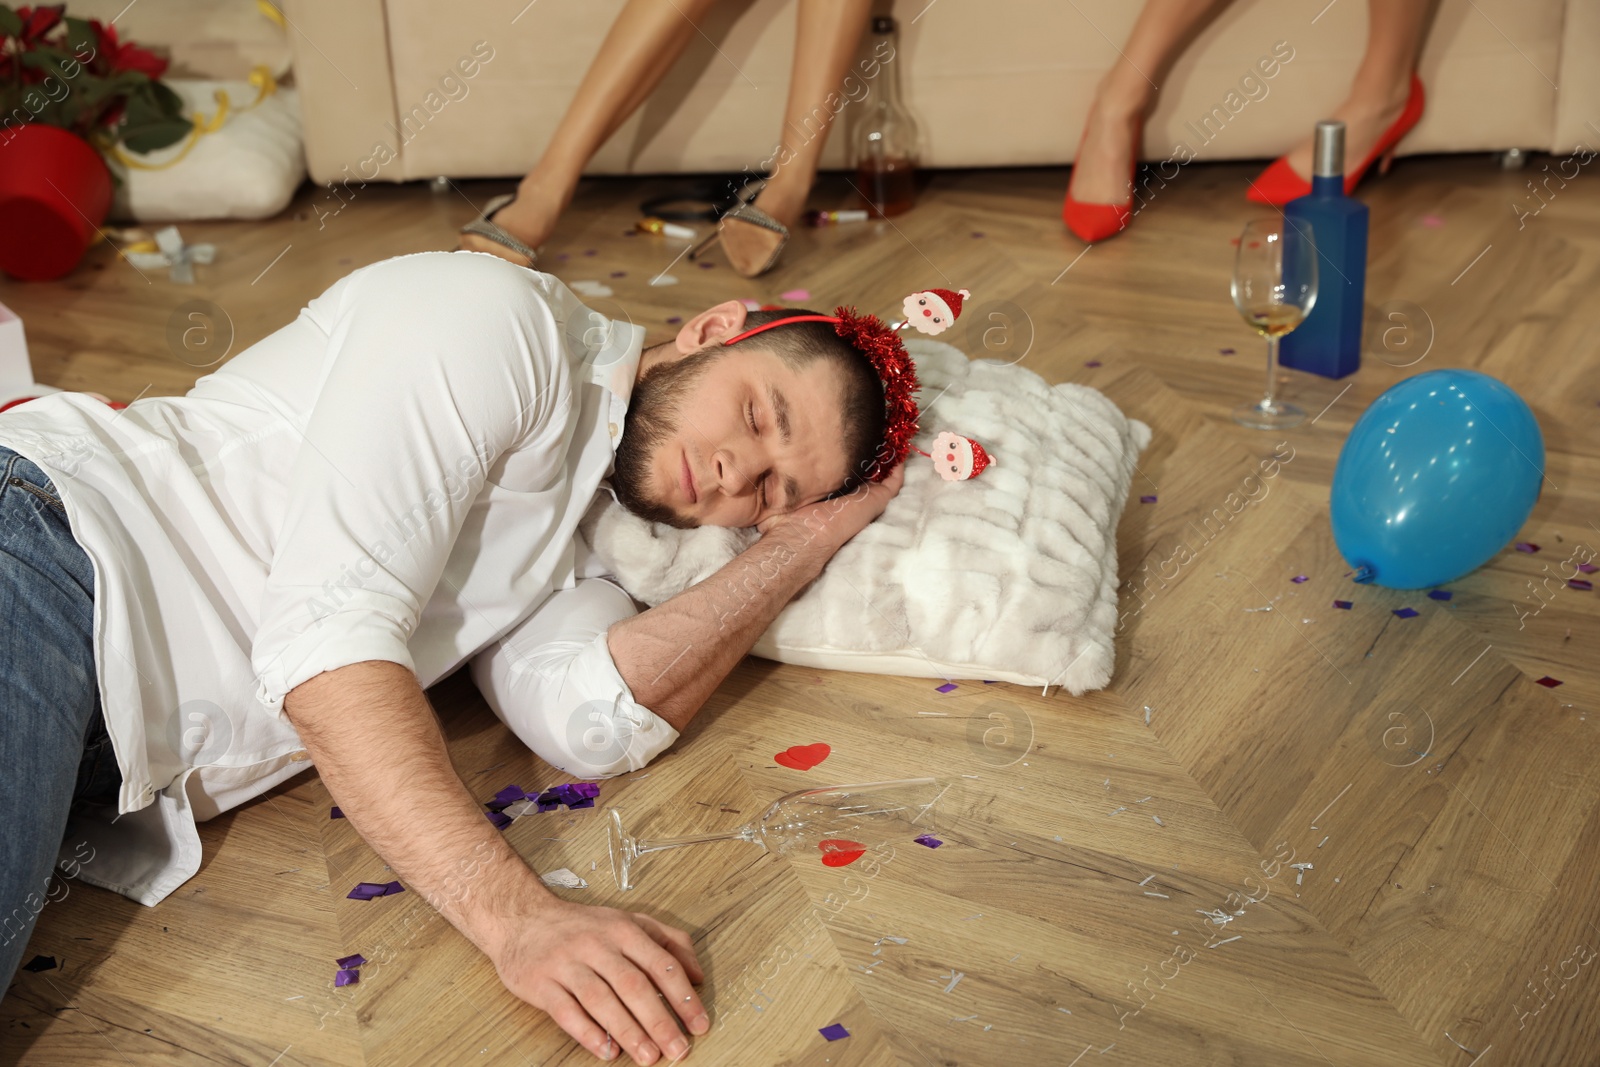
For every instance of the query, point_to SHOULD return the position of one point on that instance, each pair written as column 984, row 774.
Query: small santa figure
column 934, row 310
column 957, row 458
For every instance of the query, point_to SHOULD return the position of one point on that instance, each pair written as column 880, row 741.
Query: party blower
column 837, row 822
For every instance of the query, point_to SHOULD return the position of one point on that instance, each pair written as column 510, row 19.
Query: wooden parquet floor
column 1442, row 804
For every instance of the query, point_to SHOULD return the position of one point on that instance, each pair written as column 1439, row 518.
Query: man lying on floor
column 206, row 595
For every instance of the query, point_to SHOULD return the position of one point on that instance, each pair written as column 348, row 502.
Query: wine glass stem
column 1272, row 373
column 742, row 834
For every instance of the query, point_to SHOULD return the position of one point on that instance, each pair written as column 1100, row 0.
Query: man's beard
column 654, row 414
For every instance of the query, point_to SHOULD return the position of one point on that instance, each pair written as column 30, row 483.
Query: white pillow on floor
column 248, row 169
column 1009, row 576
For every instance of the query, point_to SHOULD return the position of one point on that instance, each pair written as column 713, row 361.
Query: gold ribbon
column 264, row 84
column 271, row 11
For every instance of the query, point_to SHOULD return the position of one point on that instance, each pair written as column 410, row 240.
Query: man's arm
column 674, row 655
column 596, row 971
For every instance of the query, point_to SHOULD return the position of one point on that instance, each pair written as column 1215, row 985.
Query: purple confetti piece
column 48, row 963
column 619, row 274
column 589, row 251
column 977, row 233
column 1588, row 568
column 1527, row 546
column 500, row 819
column 1299, row 579
column 565, row 255
column 675, row 318
column 1147, row 500
column 834, row 1032
column 335, row 813
column 1093, row 363
column 586, row 789
column 1406, row 613
column 510, row 795
column 351, row 961
column 1549, row 682
column 929, row 840
column 1345, row 604
column 367, row 891
column 391, row 888
column 706, row 266
column 1226, row 351
column 987, row 682
column 1580, row 583
column 346, row 977
column 586, row 802
column 1440, row 594
column 948, row 687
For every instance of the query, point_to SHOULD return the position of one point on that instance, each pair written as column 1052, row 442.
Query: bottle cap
column 1328, row 159
column 883, row 24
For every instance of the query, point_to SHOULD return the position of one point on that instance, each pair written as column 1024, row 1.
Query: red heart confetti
column 1527, row 546
column 838, row 852
column 802, row 757
column 1549, row 682
column 1580, row 583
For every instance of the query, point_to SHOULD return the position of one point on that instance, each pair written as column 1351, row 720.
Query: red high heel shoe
column 1279, row 184
column 1095, row 222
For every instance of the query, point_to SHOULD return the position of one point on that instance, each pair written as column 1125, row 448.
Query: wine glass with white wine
column 1274, row 288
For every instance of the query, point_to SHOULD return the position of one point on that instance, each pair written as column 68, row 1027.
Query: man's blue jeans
column 54, row 748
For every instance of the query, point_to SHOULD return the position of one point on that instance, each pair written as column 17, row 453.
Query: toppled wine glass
column 840, row 821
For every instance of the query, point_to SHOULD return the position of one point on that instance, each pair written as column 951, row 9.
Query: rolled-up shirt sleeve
column 433, row 371
column 553, row 682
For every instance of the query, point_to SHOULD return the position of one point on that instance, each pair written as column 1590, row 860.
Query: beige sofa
column 404, row 89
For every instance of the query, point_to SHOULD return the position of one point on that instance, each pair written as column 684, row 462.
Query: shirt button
column 614, row 429
column 301, row 756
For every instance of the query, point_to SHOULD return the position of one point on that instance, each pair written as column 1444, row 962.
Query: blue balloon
column 1436, row 477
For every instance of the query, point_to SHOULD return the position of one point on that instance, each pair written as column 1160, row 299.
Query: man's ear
column 711, row 325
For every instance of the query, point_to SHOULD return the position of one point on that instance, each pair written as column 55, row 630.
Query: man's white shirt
column 398, row 475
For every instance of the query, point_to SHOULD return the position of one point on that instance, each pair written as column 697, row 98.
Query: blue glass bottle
column 1328, row 342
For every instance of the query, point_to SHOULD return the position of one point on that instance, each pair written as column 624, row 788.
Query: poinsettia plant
column 75, row 74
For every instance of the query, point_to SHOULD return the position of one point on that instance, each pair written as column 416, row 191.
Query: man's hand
column 379, row 749
column 837, row 520
column 601, row 975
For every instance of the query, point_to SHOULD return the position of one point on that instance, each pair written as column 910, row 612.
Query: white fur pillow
column 1010, row 576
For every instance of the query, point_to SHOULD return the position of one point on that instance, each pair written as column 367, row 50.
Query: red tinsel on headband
column 872, row 338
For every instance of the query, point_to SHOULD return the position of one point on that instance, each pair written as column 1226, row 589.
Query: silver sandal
column 746, row 211
column 483, row 226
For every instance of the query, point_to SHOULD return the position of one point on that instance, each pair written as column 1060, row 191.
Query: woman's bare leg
column 1382, row 83
column 642, row 44
column 1128, row 90
column 827, row 33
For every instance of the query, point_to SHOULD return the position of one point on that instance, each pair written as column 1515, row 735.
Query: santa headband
column 930, row 311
